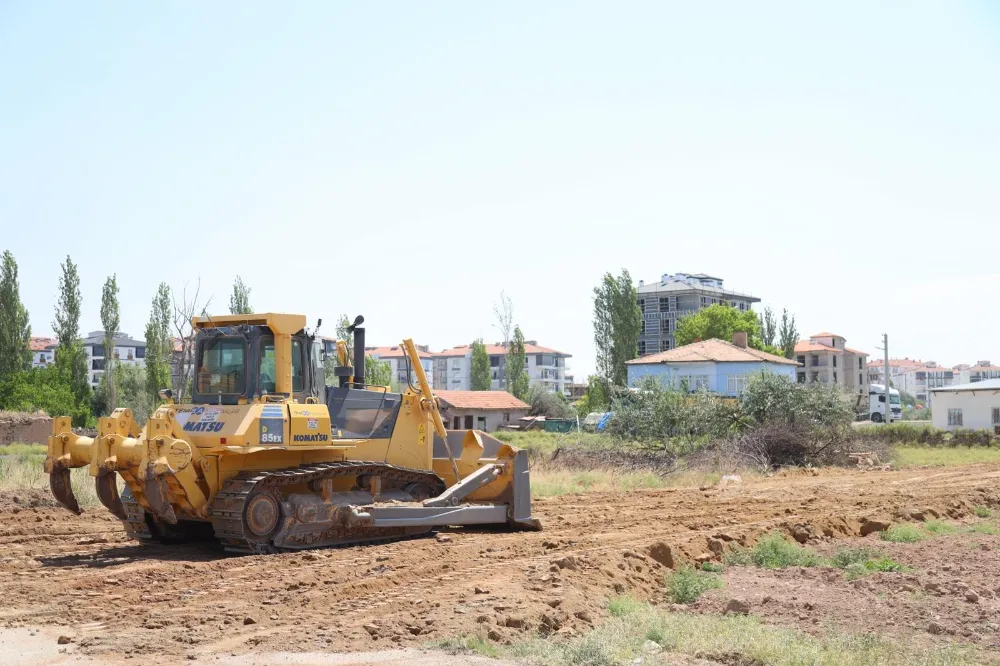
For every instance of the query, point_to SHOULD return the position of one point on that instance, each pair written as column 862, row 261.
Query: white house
column 981, row 371
column 126, row 351
column 43, row 351
column 397, row 359
column 546, row 368
column 974, row 406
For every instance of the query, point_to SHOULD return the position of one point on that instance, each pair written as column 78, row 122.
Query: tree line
column 63, row 387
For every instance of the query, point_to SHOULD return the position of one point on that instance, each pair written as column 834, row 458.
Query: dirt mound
column 81, row 574
column 18, row 427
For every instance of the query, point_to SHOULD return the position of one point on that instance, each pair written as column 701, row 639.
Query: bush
column 686, row 584
column 903, row 533
column 548, row 404
column 774, row 551
column 42, row 389
column 982, row 512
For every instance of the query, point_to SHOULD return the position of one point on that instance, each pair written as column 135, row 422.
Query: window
column 736, row 384
column 642, row 328
column 814, row 361
column 98, row 350
column 222, row 366
column 468, row 422
column 642, row 305
column 140, row 352
column 642, row 347
column 860, row 365
column 835, row 361
column 955, row 417
column 457, row 364
column 97, row 364
column 801, row 377
column 506, row 417
column 861, row 378
column 801, row 359
column 834, row 376
column 996, row 416
column 665, row 325
column 267, row 371
column 664, row 304
column 481, row 423
column 458, row 423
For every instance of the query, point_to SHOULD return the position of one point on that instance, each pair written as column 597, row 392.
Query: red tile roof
column 500, row 350
column 826, row 335
column 41, row 344
column 804, row 346
column 897, row 363
column 719, row 351
column 482, row 400
column 394, row 352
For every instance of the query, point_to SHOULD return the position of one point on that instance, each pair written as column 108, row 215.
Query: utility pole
column 885, row 349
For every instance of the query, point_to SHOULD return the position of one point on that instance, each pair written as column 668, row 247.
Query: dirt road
column 79, row 577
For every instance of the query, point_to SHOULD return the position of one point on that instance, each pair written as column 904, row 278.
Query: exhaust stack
column 359, row 351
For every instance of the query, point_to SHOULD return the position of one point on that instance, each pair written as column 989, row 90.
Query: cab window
column 267, row 369
column 222, row 366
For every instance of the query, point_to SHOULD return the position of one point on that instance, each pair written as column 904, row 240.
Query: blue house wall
column 716, row 374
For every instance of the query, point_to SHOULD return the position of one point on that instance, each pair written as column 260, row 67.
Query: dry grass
column 624, row 637
column 556, row 482
column 21, row 469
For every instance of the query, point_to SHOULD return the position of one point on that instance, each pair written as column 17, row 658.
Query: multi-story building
column 126, row 350
column 673, row 297
column 546, row 367
column 897, row 367
column 43, row 351
column 979, row 372
column 920, row 381
column 397, row 359
column 824, row 358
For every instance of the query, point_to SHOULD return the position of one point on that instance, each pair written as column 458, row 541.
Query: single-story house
column 479, row 410
column 974, row 406
column 719, row 366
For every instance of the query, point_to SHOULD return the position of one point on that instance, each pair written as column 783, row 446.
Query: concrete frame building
column 673, row 297
column 546, row 367
column 980, row 372
column 825, row 358
column 126, row 351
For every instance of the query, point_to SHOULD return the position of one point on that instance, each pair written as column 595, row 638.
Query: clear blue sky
column 409, row 160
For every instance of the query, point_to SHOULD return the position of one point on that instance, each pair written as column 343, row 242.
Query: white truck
column 876, row 404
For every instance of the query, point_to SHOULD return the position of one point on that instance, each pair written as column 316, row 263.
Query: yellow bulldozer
column 266, row 457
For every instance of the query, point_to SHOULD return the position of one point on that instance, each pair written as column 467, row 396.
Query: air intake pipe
column 359, row 351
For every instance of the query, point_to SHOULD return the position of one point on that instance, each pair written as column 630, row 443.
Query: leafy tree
column 159, row 344
column 617, row 324
column 515, row 368
column 768, row 327
column 15, row 331
column 131, row 388
column 239, row 301
column 71, row 359
column 788, row 335
column 597, row 398
column 720, row 322
column 111, row 321
column 546, row 403
column 41, row 389
column 377, row 372
column 480, row 379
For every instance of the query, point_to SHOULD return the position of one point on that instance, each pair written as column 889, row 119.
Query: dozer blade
column 156, row 493
column 62, row 489
column 106, row 484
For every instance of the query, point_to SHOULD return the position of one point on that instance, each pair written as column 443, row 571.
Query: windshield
column 894, row 399
column 222, row 366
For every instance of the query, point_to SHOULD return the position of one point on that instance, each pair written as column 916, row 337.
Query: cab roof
column 279, row 323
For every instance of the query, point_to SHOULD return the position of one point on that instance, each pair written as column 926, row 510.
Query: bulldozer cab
column 239, row 359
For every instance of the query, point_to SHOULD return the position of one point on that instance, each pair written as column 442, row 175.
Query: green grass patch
column 774, row 551
column 939, row 527
column 918, row 456
column 541, row 443
column 904, row 533
column 687, row 584
column 23, row 471
column 727, row 639
column 985, row 528
column 712, row 567
column 982, row 512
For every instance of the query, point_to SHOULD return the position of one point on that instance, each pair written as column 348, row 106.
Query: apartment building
column 922, row 380
column 546, row 367
column 43, row 351
column 825, row 358
column 673, row 297
column 397, row 359
column 897, row 367
column 126, row 350
column 980, row 372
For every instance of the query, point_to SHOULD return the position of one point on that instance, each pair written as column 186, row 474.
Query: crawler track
column 228, row 509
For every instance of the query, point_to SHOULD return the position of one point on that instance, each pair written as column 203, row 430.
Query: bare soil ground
column 77, row 576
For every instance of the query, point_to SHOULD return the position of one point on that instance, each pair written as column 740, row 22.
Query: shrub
column 686, row 584
column 938, row 527
column 903, row 533
column 774, row 551
column 982, row 512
